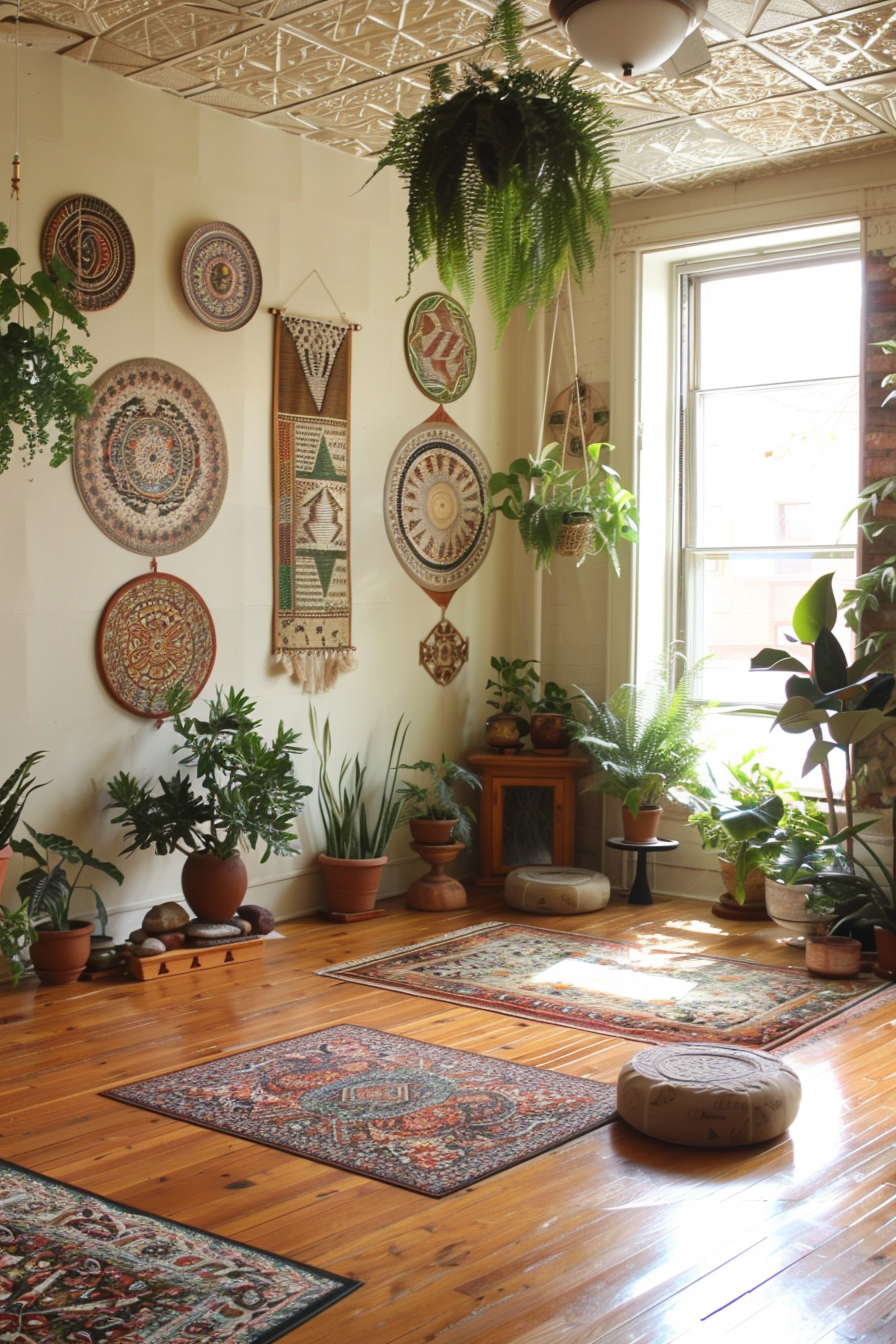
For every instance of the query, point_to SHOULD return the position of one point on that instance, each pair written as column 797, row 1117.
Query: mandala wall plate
column 221, row 276
column 435, row 505
column 150, row 461
column 440, row 347
column 155, row 631
column 96, row 245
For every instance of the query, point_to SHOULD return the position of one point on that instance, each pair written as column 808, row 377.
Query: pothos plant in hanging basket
column 586, row 511
column 516, row 162
column 41, row 371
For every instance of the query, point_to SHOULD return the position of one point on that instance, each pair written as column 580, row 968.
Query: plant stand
column 185, row 959
column 640, row 893
column 437, row 890
column 352, row 916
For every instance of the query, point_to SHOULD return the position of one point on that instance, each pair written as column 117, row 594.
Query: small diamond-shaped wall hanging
column 443, row 652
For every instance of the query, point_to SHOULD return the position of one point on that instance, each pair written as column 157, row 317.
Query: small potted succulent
column 63, row 944
column 512, row 687
column 432, row 811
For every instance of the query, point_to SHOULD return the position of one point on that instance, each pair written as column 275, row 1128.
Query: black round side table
column 640, row 893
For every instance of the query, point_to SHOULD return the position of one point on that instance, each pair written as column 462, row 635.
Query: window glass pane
column 777, row 325
column 775, row 465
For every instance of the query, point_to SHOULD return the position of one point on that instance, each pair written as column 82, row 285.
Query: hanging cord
column 586, row 459
column 539, row 446
column 16, row 193
column 352, row 326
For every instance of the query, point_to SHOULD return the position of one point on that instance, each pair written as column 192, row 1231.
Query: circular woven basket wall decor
column 434, row 505
column 94, row 242
column 440, row 347
column 221, row 276
column 155, row 631
column 150, row 461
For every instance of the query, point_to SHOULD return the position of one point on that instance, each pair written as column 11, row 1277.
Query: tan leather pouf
column 708, row 1096
column 556, row 891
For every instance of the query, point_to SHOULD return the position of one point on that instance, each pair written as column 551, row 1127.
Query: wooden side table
column 528, row 813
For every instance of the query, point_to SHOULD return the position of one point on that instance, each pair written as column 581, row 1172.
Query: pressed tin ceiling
column 790, row 81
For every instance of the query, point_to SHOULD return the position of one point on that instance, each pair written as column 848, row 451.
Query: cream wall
column 168, row 166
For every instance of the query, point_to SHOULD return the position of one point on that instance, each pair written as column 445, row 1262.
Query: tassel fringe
column 316, row 670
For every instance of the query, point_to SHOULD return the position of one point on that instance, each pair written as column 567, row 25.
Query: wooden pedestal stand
column 436, row 890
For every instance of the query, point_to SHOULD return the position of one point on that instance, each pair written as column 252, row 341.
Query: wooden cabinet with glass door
column 528, row 812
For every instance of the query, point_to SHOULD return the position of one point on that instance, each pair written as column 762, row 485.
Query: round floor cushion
column 708, row 1096
column 556, row 891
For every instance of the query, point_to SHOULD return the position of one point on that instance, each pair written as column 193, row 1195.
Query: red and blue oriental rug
column 425, row 1117
column 622, row 989
column 79, row 1268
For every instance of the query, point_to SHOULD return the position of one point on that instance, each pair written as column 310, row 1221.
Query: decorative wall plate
column 221, row 276
column 435, row 505
column 155, row 631
column 440, row 347
column 150, row 461
column 95, row 244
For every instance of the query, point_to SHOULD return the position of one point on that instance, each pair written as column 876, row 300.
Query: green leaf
column 829, row 666
column 797, row 714
column 855, row 725
column 816, row 610
column 776, row 660
column 817, row 753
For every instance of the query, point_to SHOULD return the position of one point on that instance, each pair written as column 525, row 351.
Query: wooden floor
column 612, row 1237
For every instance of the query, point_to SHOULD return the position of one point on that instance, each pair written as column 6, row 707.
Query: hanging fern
column 517, row 164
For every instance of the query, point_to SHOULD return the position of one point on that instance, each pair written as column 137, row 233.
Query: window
column 768, row 452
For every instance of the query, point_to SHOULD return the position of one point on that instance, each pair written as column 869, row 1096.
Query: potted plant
column 511, row 688
column 578, row 512
column 355, row 853
column 41, row 372
column 516, row 162
column 644, row 742
column 861, row 900
column 550, row 715
column 63, row 944
column 14, row 792
column 432, row 811
column 248, row 796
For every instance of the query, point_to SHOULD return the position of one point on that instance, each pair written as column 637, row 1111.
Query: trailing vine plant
column 41, row 371
column 514, row 162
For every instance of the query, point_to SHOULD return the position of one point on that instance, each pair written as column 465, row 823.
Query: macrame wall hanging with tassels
column 435, row 516
column 312, row 593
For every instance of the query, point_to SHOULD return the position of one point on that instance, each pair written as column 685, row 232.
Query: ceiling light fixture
column 627, row 37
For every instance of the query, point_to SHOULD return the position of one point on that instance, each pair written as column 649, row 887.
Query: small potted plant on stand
column 60, row 953
column 515, row 683
column 441, row 827
column 355, row 853
column 249, row 796
column 550, row 716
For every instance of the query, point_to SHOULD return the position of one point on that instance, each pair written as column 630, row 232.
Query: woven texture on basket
column 574, row 538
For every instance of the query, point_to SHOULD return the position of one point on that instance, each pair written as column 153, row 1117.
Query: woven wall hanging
column 312, row 595
column 94, row 242
column 580, row 415
column 150, row 461
column 435, row 516
column 221, row 276
column 440, row 347
column 155, row 631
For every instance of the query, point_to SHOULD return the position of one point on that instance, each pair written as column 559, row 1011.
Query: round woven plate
column 150, row 461
column 94, row 242
column 221, row 276
column 155, row 631
column 440, row 347
column 435, row 506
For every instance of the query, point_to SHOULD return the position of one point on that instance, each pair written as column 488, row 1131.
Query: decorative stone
column 242, row 924
column 201, row 931
column 260, row 920
column 138, row 936
column 708, row 1096
column 556, row 891
column 150, row 947
column 166, row 918
column 101, row 958
column 172, row 941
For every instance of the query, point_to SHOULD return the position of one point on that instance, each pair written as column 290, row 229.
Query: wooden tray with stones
column 186, row 959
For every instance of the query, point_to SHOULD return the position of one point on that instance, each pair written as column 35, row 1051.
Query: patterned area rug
column 79, row 1268
column 422, row 1116
column 622, row 989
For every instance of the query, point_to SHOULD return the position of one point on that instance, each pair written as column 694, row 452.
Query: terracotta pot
column 437, row 890
column 550, row 735
column 352, row 884
column 503, row 732
column 729, row 907
column 886, row 953
column 60, row 955
column 642, row 825
column 428, row 831
column 833, row 957
column 214, row 888
column 5, row 856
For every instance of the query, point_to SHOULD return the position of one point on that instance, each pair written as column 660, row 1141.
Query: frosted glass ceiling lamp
column 627, row 37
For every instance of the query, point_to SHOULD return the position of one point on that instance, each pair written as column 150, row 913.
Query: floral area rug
column 622, row 989
column 79, row 1268
column 422, row 1116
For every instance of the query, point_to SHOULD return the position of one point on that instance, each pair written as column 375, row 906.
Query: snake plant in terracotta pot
column 512, row 160
column 248, row 796
column 16, row 929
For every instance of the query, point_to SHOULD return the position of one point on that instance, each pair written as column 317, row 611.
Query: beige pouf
column 708, row 1096
column 556, row 891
